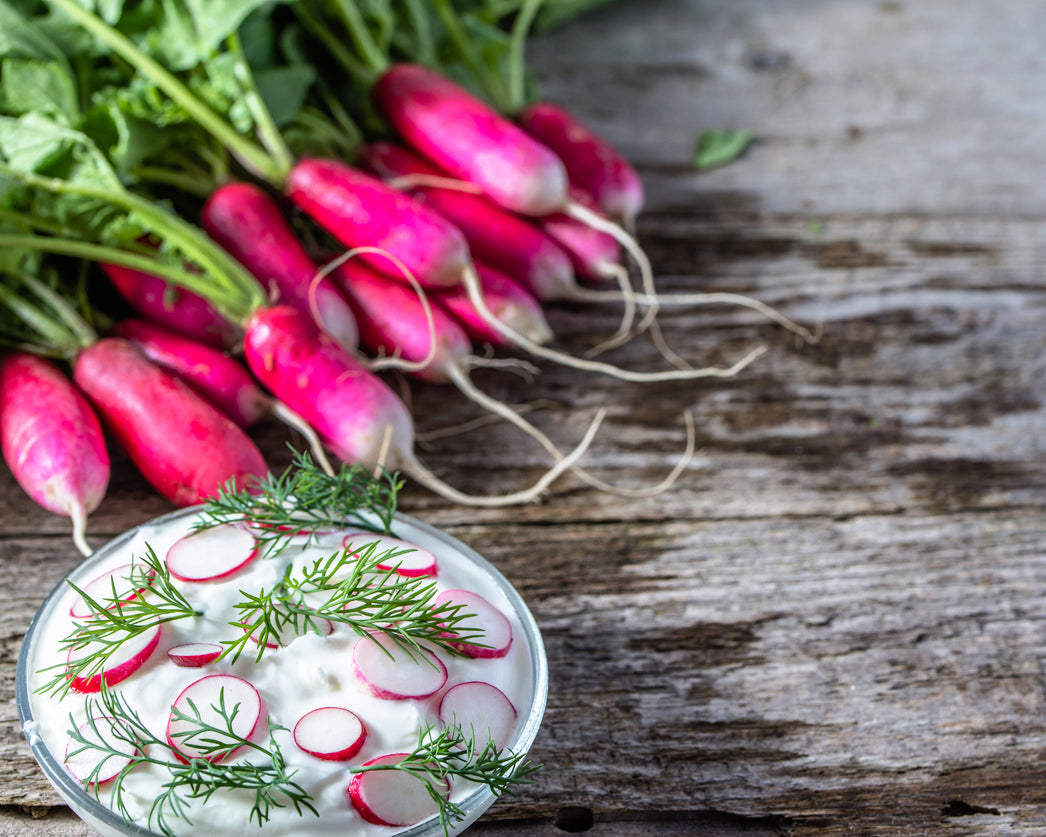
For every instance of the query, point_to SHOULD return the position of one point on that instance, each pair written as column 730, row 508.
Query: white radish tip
column 211, row 554
column 391, row 673
column 242, row 710
column 330, row 733
column 391, row 797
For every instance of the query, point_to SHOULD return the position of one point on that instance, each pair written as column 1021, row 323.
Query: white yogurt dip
column 309, row 672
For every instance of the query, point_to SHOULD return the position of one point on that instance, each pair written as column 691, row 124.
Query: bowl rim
column 67, row 787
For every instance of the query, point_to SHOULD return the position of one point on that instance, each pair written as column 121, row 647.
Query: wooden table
column 835, row 622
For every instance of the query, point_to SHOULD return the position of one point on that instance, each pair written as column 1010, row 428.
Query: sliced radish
column 391, row 797
column 481, row 617
column 82, row 762
column 391, row 673
column 404, row 558
column 211, row 554
column 323, row 627
column 330, row 733
column 194, row 654
column 127, row 581
column 126, row 660
column 482, row 710
column 241, row 701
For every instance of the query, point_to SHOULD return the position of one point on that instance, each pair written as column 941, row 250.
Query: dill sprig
column 305, row 499
column 349, row 587
column 117, row 731
column 447, row 752
column 115, row 619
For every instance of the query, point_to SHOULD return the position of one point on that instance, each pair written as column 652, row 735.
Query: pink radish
column 194, row 654
column 220, row 379
column 481, row 710
column 591, row 163
column 495, row 236
column 125, row 661
column 330, row 733
column 354, row 411
column 178, row 309
column 214, row 700
column 404, row 558
column 470, row 140
column 484, row 620
column 51, row 440
column 594, row 254
column 507, row 300
column 391, row 797
column 91, row 766
column 250, row 225
column 361, row 211
column 182, row 445
column 390, row 673
column 120, row 584
column 212, row 554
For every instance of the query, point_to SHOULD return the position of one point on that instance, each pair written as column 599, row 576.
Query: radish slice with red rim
column 127, row 582
column 194, row 654
column 391, row 797
column 404, row 558
column 330, row 733
column 91, row 766
column 125, row 661
column 211, row 554
column 487, row 627
column 481, row 710
column 389, row 672
column 207, row 697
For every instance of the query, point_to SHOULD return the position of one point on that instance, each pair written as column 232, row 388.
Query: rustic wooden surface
column 835, row 621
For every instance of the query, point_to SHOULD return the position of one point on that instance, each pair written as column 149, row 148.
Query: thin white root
column 631, row 246
column 413, row 467
column 292, row 419
column 79, row 517
column 521, row 367
column 723, row 298
column 475, row 292
column 392, row 361
column 478, row 422
column 624, row 331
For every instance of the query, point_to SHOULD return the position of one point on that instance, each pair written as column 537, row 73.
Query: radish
column 356, row 414
column 392, row 797
column 507, row 300
column 120, row 584
column 390, row 673
column 121, row 664
column 591, row 163
column 360, row 210
column 212, row 554
column 96, row 765
column 470, row 140
column 218, row 700
column 51, row 440
column 178, row 309
column 182, row 445
column 594, row 254
column 495, row 236
column 480, row 710
column 249, row 224
column 483, row 619
column 194, row 654
column 330, row 733
column 397, row 556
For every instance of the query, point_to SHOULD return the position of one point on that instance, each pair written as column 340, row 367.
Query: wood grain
column 834, row 622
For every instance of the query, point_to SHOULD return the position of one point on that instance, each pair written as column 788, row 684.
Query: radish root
column 292, row 419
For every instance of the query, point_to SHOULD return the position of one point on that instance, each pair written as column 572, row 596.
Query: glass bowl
column 107, row 822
